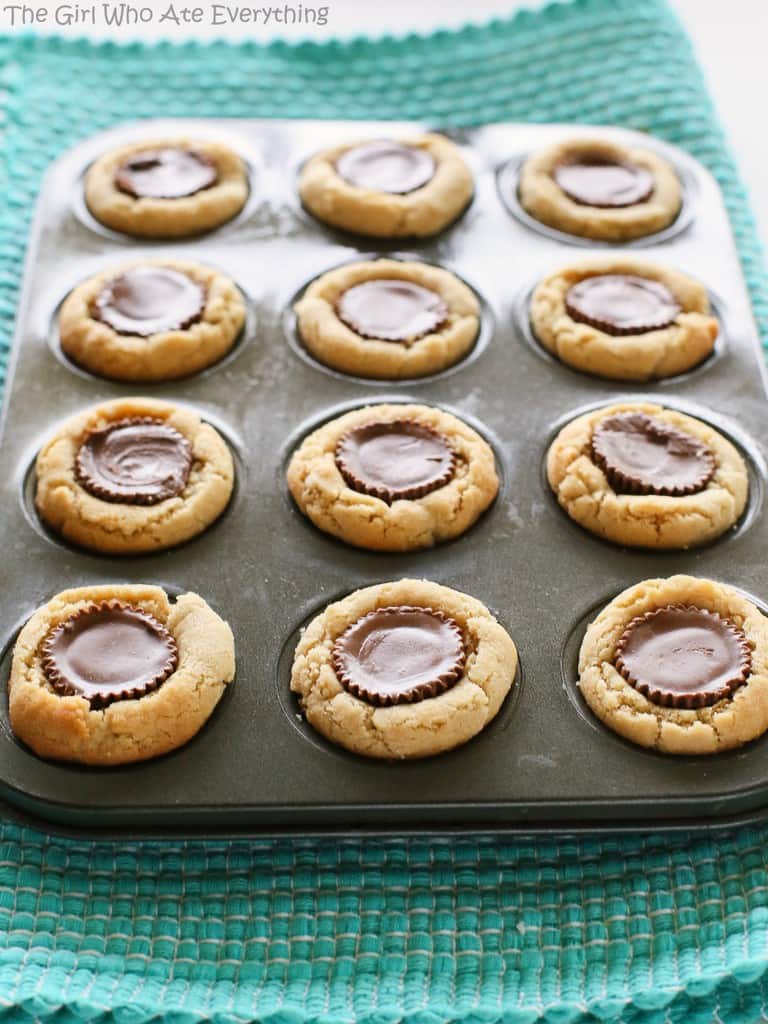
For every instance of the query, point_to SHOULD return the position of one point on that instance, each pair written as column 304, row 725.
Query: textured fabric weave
column 642, row 931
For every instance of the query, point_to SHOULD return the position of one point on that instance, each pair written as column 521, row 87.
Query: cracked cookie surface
column 547, row 202
column 120, row 528
column 367, row 521
column 420, row 729
column 67, row 728
column 330, row 340
column 164, row 355
column 418, row 213
column 645, row 355
column 160, row 217
column 729, row 723
column 646, row 520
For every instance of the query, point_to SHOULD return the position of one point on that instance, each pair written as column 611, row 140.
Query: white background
column 731, row 37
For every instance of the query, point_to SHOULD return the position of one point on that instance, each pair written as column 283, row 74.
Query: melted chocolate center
column 399, row 655
column 685, row 657
column 147, row 300
column 391, row 310
column 622, row 304
column 395, row 460
column 168, row 173
column 386, row 167
column 641, row 454
column 109, row 652
column 134, row 462
column 598, row 181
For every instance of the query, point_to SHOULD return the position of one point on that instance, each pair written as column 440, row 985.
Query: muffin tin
column 257, row 767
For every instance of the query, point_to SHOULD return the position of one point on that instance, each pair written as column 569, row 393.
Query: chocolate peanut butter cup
column 391, row 310
column 399, row 655
column 684, row 657
column 386, row 166
column 149, row 300
column 641, row 454
column 598, row 181
column 622, row 304
column 167, row 173
column 395, row 460
column 108, row 652
column 138, row 461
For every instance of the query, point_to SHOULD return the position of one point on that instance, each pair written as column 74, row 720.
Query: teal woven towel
column 641, row 931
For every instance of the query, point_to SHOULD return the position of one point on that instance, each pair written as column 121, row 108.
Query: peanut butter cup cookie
column 166, row 188
column 133, row 475
column 388, row 189
column 600, row 189
column 151, row 320
column 400, row 670
column 679, row 665
column 106, row 675
column 394, row 477
column 645, row 476
column 388, row 319
column 623, row 319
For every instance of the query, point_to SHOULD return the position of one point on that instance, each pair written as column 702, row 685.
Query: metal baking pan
column 257, row 767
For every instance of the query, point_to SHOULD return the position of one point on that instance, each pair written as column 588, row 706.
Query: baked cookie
column 679, row 665
column 621, row 318
column 166, row 188
column 394, row 477
column 133, row 475
column 105, row 675
column 388, row 189
column 406, row 669
column 599, row 189
column 388, row 319
column 644, row 476
column 151, row 320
